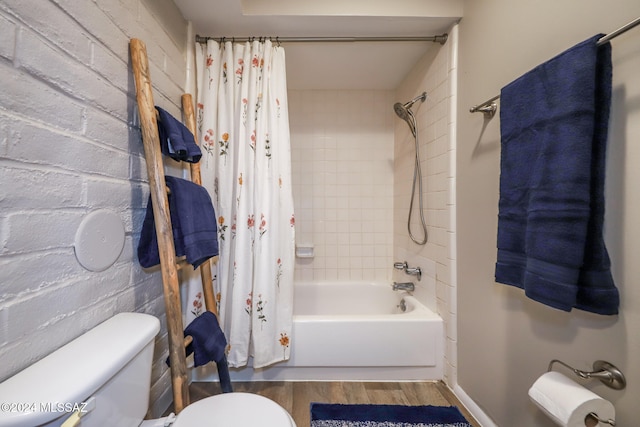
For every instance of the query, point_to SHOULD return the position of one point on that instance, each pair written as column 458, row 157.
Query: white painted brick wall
column 22, row 95
column 7, row 37
column 68, row 145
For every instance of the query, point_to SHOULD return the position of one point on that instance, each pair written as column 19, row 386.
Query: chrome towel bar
column 489, row 106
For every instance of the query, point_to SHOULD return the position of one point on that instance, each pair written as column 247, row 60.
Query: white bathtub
column 362, row 324
column 354, row 331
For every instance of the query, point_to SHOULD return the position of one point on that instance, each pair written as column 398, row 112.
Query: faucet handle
column 400, row 265
column 414, row 271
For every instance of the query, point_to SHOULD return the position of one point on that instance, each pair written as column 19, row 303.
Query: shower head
column 401, row 111
column 404, row 110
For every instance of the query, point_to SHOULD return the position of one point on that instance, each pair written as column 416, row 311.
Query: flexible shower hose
column 417, row 175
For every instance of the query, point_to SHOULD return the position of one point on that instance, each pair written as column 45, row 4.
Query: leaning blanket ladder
column 169, row 265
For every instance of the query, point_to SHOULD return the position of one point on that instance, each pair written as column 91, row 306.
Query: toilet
column 103, row 378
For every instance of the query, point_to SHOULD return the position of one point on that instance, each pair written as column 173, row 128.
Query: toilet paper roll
column 567, row 402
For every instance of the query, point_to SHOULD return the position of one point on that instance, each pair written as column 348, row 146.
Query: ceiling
column 324, row 65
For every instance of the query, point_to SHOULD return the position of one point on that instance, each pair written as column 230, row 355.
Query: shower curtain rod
column 442, row 38
column 489, row 107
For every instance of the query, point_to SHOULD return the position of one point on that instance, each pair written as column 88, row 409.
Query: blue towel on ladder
column 176, row 140
column 554, row 122
column 193, row 221
column 209, row 344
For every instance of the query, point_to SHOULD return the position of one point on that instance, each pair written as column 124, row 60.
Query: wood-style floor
column 296, row 397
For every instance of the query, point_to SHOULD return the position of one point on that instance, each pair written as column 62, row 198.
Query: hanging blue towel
column 176, row 140
column 209, row 342
column 193, row 221
column 209, row 345
column 554, row 122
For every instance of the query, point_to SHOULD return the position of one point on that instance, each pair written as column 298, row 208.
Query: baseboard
column 472, row 407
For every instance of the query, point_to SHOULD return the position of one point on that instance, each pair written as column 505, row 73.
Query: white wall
column 68, row 146
column 506, row 340
column 434, row 73
column 342, row 166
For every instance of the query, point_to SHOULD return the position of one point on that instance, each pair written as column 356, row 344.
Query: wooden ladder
column 169, row 264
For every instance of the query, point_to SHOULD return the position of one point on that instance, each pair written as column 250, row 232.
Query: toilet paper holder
column 593, row 419
column 604, row 371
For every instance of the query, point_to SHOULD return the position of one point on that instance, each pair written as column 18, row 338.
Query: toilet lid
column 234, row 410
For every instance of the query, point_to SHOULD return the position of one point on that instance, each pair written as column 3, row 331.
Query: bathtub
column 355, row 331
column 362, row 324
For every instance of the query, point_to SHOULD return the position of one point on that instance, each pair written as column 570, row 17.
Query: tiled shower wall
column 342, row 165
column 352, row 164
column 435, row 74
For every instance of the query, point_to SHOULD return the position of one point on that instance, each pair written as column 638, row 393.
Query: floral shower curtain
column 243, row 127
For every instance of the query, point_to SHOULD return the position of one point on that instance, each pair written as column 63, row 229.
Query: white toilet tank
column 106, row 373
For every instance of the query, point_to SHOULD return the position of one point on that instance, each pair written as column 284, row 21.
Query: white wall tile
column 437, row 159
column 344, row 181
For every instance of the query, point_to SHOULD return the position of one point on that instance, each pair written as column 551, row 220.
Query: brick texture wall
column 69, row 144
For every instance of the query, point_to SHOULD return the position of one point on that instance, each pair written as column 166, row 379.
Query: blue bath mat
column 338, row 415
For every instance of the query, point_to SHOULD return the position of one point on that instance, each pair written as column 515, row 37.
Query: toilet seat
column 234, row 409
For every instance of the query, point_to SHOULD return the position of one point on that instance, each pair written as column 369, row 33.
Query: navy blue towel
column 209, row 342
column 209, row 345
column 176, row 140
column 554, row 122
column 193, row 221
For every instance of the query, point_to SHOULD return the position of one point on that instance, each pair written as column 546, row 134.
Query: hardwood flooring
column 296, row 397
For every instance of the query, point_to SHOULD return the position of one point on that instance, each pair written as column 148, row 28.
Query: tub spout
column 406, row 286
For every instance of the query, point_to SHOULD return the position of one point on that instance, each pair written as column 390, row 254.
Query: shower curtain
column 243, row 127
